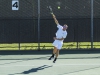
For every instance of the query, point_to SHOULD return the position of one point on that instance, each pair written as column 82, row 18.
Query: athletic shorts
column 58, row 44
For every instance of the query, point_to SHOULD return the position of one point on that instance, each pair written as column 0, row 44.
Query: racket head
column 50, row 9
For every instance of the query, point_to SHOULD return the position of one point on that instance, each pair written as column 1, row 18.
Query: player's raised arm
column 54, row 17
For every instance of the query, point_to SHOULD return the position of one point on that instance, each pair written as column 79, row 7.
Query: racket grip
column 52, row 13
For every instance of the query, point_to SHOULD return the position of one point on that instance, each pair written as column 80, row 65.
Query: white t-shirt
column 60, row 33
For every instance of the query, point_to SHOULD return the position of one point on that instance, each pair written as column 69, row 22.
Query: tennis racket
column 50, row 9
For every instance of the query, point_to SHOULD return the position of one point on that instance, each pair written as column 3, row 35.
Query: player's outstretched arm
column 54, row 17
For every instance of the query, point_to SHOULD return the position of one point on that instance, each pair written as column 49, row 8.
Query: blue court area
column 66, row 64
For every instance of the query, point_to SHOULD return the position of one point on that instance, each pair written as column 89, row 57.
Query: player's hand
column 54, row 38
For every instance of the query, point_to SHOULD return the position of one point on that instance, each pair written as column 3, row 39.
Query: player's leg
column 55, row 44
column 54, row 51
column 57, row 53
column 58, row 49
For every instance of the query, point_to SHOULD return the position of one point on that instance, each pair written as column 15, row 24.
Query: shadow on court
column 33, row 70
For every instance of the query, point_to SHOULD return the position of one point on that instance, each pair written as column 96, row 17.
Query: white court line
column 51, row 65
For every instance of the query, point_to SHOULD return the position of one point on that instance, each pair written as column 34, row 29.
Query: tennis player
column 58, row 40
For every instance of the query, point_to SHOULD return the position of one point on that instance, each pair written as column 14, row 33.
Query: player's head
column 65, row 26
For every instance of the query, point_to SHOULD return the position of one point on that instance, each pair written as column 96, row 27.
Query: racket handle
column 52, row 13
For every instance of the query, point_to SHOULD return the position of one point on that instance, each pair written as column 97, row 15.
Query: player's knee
column 55, row 48
column 58, row 50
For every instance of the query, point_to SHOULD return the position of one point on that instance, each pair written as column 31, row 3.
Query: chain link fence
column 21, row 29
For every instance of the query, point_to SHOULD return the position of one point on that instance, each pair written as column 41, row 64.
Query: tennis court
column 67, row 64
column 27, row 29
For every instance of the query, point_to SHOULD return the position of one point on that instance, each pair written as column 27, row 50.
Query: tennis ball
column 58, row 7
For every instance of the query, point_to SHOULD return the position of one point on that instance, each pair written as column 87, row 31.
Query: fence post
column 91, row 23
column 38, row 24
column 19, row 34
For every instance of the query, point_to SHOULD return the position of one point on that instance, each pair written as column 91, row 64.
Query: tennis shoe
column 51, row 58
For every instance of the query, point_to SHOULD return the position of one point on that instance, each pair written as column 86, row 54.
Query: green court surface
column 66, row 64
column 34, row 46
